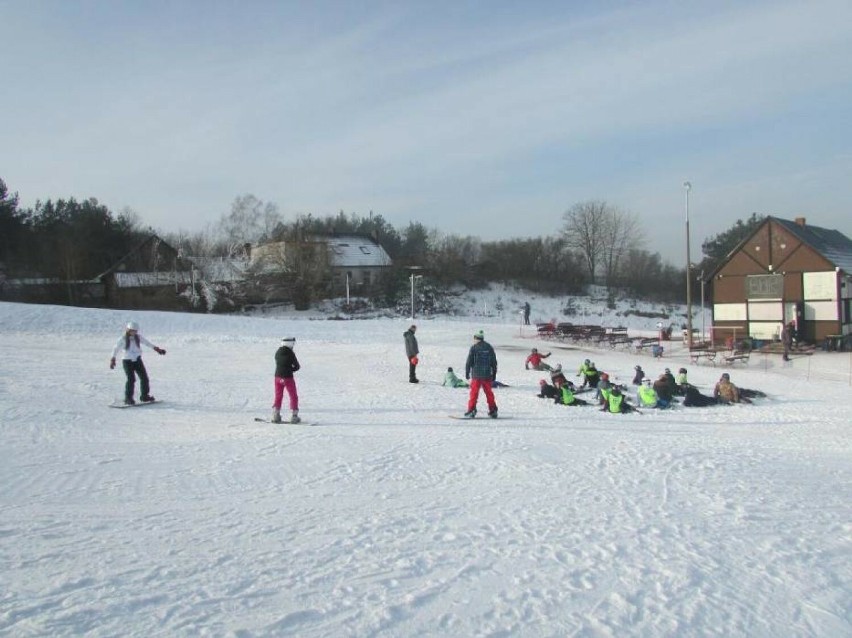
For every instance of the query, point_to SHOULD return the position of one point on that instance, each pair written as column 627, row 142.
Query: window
column 365, row 250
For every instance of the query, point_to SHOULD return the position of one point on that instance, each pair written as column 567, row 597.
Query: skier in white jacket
column 130, row 343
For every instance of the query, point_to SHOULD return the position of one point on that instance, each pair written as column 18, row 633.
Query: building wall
column 808, row 294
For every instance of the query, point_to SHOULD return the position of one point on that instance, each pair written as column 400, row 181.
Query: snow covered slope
column 389, row 519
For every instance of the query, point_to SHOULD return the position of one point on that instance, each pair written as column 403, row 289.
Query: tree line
column 598, row 243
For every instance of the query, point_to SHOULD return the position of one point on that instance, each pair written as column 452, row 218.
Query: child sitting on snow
column 452, row 381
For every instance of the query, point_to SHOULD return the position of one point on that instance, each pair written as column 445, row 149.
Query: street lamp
column 413, row 278
column 703, row 309
column 687, row 187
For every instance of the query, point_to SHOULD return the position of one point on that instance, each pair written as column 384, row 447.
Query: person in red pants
column 286, row 364
column 481, row 370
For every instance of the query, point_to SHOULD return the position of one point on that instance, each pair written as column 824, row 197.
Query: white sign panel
column 729, row 312
column 766, row 311
column 820, row 285
column 821, row 310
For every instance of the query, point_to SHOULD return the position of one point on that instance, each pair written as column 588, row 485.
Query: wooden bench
column 641, row 343
column 696, row 354
column 740, row 356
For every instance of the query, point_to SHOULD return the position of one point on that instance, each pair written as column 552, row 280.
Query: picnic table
column 737, row 356
column 696, row 354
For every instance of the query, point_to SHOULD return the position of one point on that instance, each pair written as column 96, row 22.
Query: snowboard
column 262, row 420
column 484, row 417
column 138, row 404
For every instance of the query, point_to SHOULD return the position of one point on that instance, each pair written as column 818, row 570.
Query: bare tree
column 621, row 234
column 250, row 220
column 602, row 234
column 584, row 231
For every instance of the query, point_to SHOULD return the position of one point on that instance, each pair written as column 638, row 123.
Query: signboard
column 820, row 285
column 764, row 286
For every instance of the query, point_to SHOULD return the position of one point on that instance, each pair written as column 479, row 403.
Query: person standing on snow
column 286, row 364
column 527, row 313
column 481, row 370
column 130, row 344
column 411, row 352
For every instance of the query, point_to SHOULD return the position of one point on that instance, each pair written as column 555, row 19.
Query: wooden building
column 151, row 276
column 785, row 271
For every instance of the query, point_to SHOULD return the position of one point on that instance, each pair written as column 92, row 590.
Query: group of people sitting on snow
column 611, row 397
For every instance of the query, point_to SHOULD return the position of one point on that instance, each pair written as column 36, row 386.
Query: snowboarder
column 640, row 374
column 286, row 364
column 526, row 313
column 481, row 369
column 663, row 388
column 646, row 396
column 617, row 402
column 694, row 398
column 130, row 344
column 451, row 380
column 565, row 395
column 547, row 391
column 411, row 352
column 727, row 392
column 536, row 361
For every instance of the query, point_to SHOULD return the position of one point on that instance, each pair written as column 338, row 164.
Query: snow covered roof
column 150, row 279
column 349, row 251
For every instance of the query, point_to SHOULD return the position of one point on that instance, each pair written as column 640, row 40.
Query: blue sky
column 480, row 118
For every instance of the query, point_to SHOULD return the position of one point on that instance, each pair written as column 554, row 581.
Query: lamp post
column 347, row 287
column 703, row 309
column 687, row 187
column 413, row 278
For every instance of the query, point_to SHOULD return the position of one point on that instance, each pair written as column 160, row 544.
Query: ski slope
column 188, row 518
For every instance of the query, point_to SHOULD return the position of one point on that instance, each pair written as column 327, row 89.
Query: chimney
column 800, row 221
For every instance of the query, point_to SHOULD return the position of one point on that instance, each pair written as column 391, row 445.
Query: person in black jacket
column 481, row 370
column 286, row 364
column 411, row 352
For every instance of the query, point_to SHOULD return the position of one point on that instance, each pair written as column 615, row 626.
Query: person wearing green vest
column 617, row 403
column 565, row 395
column 646, row 396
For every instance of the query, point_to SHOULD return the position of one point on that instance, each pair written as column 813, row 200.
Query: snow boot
column 276, row 415
column 294, row 417
column 129, row 402
column 493, row 413
column 471, row 414
column 147, row 399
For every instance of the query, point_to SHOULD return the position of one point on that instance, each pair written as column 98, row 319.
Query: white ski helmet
column 132, row 325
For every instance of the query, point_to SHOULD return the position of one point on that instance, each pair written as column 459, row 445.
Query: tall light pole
column 703, row 309
column 413, row 278
column 687, row 187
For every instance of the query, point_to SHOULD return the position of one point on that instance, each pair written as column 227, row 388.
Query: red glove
column 413, row 361
column 112, row 364
column 159, row 351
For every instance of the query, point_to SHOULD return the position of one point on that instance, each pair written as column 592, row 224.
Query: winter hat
column 637, row 367
column 412, row 327
column 682, row 371
column 480, row 335
column 726, row 376
column 288, row 341
column 449, row 369
column 132, row 325
column 542, row 382
column 647, row 380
